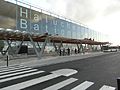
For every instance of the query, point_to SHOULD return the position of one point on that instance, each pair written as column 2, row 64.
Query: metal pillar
column 91, row 48
column 85, row 46
column 36, row 51
column 43, row 47
column 101, row 47
column 56, row 50
column 61, row 44
column 9, row 46
column 38, row 46
column 4, row 53
column 19, row 46
column 78, row 48
column 81, row 48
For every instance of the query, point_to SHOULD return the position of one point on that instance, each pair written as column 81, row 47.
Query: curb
column 60, row 59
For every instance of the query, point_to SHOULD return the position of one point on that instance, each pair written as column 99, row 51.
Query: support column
column 9, row 46
column 78, row 48
column 91, row 47
column 4, row 53
column 101, row 47
column 61, row 44
column 43, row 47
column 81, row 48
column 56, row 50
column 32, row 42
column 19, row 46
column 38, row 46
column 85, row 46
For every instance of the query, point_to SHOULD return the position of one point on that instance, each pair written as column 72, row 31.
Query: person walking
column 75, row 51
column 68, row 51
column 60, row 52
column 63, row 51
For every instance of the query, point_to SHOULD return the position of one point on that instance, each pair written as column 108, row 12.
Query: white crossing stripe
column 31, row 82
column 61, row 84
column 105, row 87
column 13, row 68
column 20, row 76
column 8, row 75
column 15, row 71
column 83, row 86
column 55, row 74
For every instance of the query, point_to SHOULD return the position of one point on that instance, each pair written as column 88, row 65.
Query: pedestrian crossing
column 21, row 77
column 83, row 86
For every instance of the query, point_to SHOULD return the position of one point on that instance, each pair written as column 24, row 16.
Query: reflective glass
column 35, row 21
column 7, row 15
column 24, row 17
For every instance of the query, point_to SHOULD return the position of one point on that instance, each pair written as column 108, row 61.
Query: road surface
column 95, row 73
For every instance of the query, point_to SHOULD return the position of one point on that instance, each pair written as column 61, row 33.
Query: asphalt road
column 93, row 73
column 102, row 70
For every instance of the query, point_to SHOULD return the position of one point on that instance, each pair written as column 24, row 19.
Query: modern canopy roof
column 18, row 35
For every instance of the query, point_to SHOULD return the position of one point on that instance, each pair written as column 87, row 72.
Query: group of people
column 67, row 51
column 89, row 39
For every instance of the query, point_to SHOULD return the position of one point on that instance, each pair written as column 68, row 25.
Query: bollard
column 118, row 83
column 7, row 58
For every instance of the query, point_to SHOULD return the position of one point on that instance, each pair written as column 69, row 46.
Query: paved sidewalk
column 34, row 62
column 60, row 59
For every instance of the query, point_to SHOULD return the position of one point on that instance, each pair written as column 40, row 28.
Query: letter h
column 23, row 12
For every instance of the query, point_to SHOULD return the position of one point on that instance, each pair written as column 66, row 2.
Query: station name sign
column 37, row 22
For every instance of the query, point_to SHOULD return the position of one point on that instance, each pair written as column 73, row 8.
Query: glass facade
column 32, row 19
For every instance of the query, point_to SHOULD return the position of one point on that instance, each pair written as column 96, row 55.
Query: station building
column 25, row 17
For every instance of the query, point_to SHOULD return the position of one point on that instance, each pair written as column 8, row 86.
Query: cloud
column 113, row 7
column 83, row 11
column 100, row 15
column 79, row 10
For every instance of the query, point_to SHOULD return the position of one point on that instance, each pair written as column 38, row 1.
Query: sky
column 99, row 15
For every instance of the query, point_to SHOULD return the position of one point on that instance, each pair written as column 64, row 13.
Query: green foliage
column 1, row 45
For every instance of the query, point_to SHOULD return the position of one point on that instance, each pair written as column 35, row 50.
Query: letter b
column 23, row 23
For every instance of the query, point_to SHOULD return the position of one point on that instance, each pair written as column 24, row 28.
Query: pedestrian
column 63, row 51
column 60, row 52
column 68, row 51
column 78, row 50
column 75, row 51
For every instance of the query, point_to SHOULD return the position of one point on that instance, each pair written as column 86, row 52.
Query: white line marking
column 8, row 75
column 15, row 71
column 57, row 73
column 65, row 72
column 30, row 82
column 105, row 87
column 20, row 76
column 10, row 69
column 83, row 86
column 61, row 84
